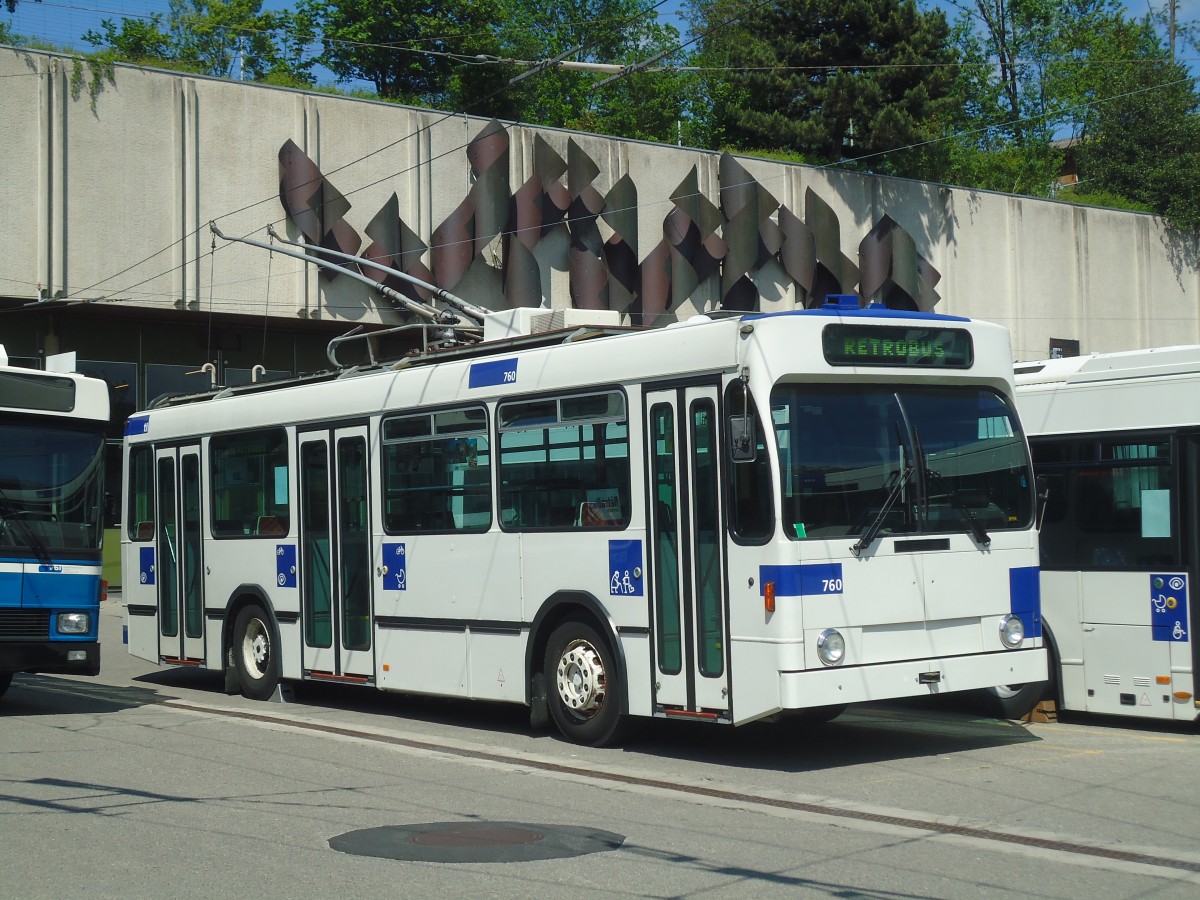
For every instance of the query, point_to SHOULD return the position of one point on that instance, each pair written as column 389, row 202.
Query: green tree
column 832, row 81
column 1040, row 74
column 415, row 51
column 646, row 104
column 134, row 40
column 1144, row 141
column 224, row 38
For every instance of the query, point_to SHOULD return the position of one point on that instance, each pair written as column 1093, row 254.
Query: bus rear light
column 103, row 589
column 1182, row 695
column 769, row 596
column 1162, row 679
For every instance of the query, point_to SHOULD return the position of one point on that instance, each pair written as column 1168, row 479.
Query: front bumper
column 50, row 657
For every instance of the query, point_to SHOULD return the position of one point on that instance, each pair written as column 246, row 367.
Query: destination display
column 36, row 391
column 906, row 347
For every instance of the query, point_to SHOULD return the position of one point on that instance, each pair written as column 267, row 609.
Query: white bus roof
column 1110, row 392
column 1178, row 360
column 37, row 393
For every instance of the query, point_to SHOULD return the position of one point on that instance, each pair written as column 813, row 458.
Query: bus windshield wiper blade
column 977, row 530
column 868, row 536
column 10, row 515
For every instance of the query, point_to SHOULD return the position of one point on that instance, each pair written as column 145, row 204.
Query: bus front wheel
column 255, row 655
column 583, row 685
column 1012, row 701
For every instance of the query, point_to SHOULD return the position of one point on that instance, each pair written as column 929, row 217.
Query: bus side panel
column 1129, row 669
column 1130, row 688
column 1062, row 610
column 233, row 563
column 755, row 678
column 449, row 581
column 139, row 594
column 638, row 655
column 423, row 661
column 756, row 653
column 497, row 665
column 579, row 561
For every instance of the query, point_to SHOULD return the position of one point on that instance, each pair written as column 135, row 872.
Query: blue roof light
column 842, row 301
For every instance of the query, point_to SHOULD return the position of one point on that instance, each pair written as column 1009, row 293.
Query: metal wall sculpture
column 314, row 205
column 706, row 250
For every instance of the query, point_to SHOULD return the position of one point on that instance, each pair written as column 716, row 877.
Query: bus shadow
column 861, row 735
column 50, row 695
column 876, row 732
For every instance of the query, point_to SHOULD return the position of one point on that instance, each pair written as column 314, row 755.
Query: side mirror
column 742, row 446
column 1042, row 484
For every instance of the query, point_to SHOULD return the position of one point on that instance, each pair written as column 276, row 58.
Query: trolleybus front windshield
column 50, row 483
column 947, row 458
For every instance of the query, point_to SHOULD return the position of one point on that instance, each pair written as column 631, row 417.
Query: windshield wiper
column 973, row 525
column 11, row 514
column 868, row 536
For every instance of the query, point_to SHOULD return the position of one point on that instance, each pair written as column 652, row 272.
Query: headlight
column 1012, row 631
column 74, row 623
column 831, row 646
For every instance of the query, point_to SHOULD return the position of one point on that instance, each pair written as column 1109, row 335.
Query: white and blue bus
column 1115, row 439
column 51, row 520
column 726, row 519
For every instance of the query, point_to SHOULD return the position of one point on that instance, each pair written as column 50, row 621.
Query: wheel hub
column 580, row 677
column 257, row 647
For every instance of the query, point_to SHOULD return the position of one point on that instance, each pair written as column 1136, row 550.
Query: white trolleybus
column 1115, row 439
column 725, row 519
column 51, row 520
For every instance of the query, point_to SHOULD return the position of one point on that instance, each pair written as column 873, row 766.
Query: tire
column 5, row 681
column 255, row 653
column 1012, row 701
column 818, row 715
column 583, row 685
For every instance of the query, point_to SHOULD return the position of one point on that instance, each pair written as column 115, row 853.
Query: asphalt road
column 150, row 782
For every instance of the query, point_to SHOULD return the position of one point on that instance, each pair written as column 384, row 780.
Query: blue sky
column 63, row 22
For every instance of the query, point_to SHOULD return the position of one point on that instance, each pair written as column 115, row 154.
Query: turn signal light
column 1182, row 695
column 769, row 596
column 1162, row 679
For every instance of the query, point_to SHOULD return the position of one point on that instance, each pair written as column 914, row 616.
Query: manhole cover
column 459, row 842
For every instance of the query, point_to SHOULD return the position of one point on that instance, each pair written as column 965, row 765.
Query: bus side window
column 140, row 515
column 752, row 511
column 249, row 480
column 564, row 463
column 437, row 472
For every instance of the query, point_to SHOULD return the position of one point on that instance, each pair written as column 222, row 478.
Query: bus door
column 686, row 551
column 335, row 555
column 179, row 550
column 1188, row 492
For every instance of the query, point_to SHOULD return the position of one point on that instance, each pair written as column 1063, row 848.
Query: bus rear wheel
column 255, row 656
column 583, row 685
